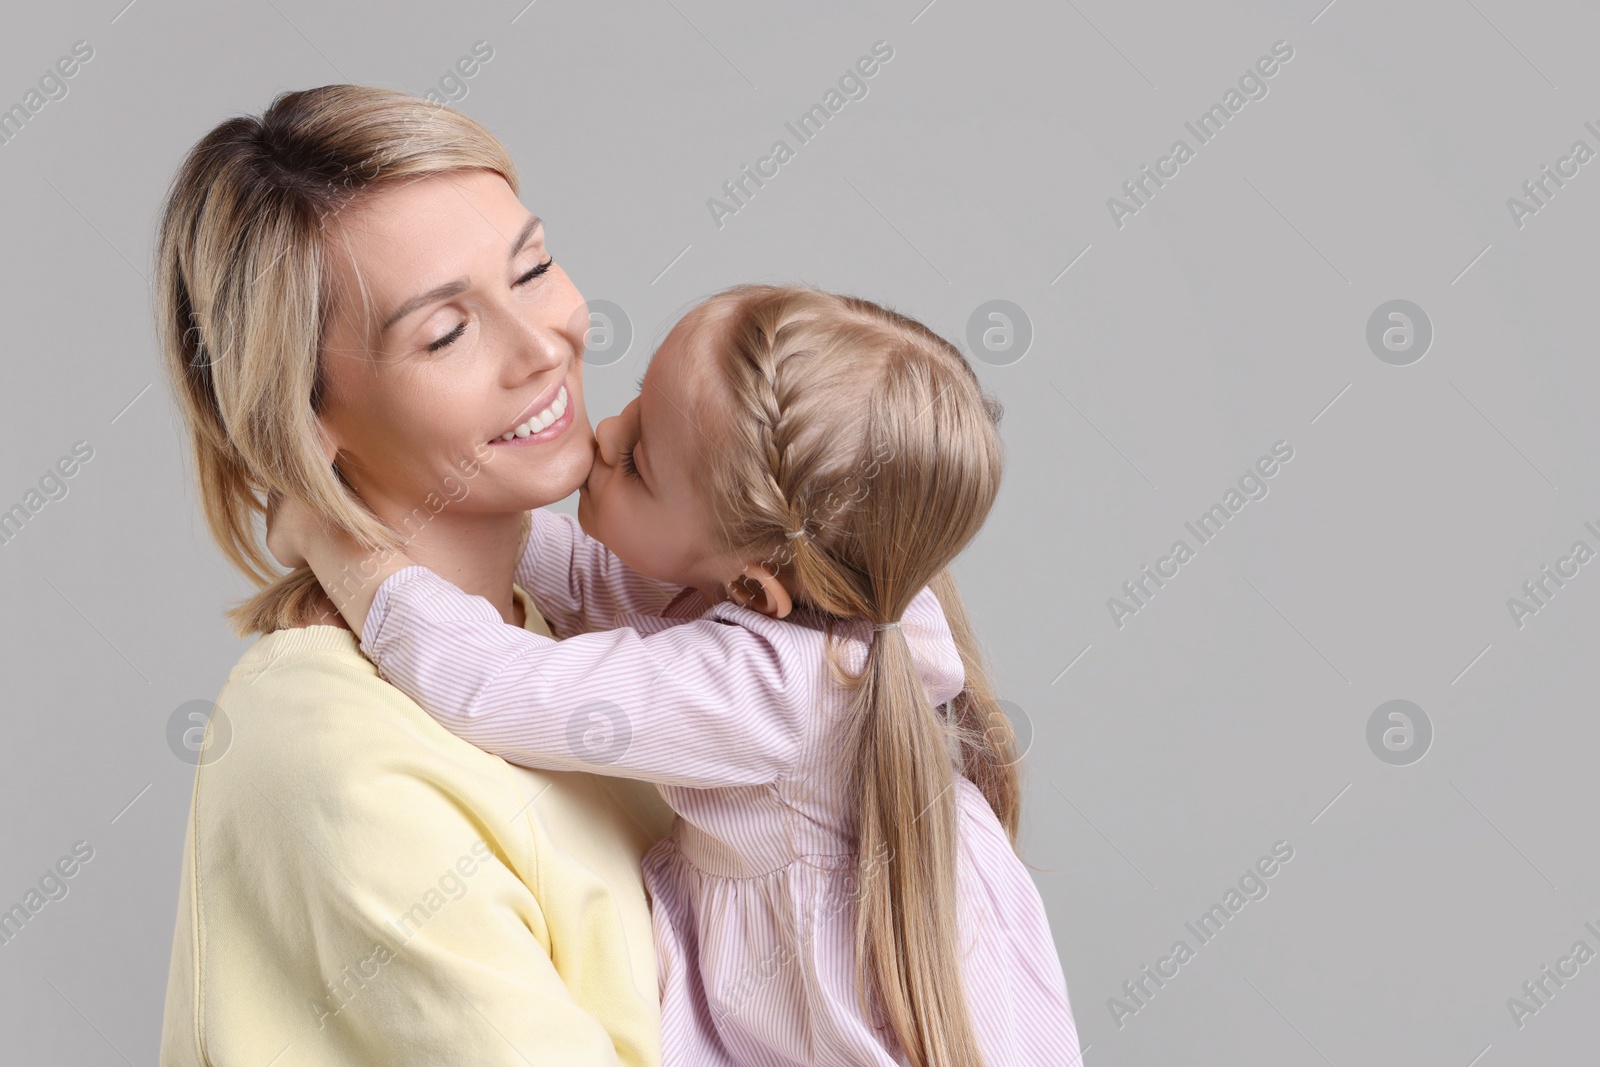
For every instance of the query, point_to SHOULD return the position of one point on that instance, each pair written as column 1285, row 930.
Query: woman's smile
column 545, row 419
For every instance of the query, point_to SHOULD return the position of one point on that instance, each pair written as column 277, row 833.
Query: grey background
column 1228, row 314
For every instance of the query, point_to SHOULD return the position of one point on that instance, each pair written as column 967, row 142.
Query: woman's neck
column 476, row 553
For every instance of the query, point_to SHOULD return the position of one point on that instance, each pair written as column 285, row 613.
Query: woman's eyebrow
column 438, row 292
column 521, row 242
column 457, row 286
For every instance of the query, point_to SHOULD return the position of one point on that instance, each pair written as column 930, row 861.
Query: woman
column 356, row 311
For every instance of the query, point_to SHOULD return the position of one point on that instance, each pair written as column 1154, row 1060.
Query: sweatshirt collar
column 281, row 644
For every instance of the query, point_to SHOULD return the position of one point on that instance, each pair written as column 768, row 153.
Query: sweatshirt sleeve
column 702, row 704
column 579, row 583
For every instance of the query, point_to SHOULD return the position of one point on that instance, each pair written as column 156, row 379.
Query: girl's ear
column 759, row 589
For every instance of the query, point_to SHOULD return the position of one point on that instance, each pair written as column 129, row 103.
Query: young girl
column 841, row 887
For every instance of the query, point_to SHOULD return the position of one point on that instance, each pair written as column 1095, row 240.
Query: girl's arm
column 578, row 583
column 702, row 704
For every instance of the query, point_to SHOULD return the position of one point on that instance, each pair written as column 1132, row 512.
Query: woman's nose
column 539, row 345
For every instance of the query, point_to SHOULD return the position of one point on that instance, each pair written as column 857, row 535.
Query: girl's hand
column 349, row 574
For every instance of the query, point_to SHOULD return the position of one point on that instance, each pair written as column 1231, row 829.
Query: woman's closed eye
column 451, row 337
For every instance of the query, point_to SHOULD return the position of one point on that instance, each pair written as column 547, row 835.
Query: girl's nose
column 608, row 439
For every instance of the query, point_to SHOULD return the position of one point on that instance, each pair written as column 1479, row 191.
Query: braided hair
column 860, row 455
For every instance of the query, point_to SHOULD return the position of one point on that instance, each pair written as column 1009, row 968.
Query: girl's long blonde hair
column 243, row 299
column 860, row 458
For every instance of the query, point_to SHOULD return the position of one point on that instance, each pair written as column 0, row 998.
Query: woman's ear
column 326, row 441
column 759, row 589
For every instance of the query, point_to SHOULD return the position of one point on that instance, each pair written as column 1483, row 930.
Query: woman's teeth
column 550, row 414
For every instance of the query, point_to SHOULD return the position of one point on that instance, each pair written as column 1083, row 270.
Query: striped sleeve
column 704, row 703
column 934, row 647
column 578, row 583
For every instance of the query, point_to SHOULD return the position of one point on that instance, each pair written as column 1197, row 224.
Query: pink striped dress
column 733, row 716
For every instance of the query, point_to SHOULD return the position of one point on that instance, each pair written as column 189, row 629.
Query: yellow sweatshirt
column 362, row 887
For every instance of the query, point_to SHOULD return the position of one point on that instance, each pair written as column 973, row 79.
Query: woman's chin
column 545, row 476
column 551, row 493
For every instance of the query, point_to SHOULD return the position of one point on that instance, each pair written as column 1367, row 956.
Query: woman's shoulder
column 306, row 720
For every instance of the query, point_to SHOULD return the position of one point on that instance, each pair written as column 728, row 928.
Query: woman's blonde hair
column 860, row 458
column 243, row 284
